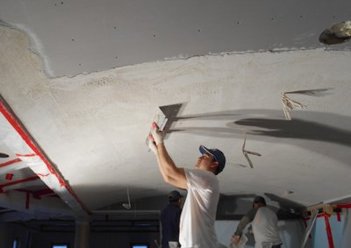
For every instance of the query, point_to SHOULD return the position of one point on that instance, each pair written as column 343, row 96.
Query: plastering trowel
column 164, row 117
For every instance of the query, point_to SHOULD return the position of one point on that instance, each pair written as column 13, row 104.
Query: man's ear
column 214, row 165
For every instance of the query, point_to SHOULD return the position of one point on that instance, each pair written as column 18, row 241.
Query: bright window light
column 59, row 246
column 15, row 244
column 139, row 245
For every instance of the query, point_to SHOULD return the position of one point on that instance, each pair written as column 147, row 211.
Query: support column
column 4, row 235
column 82, row 234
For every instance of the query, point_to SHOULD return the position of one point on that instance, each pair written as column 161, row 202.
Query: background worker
column 200, row 207
column 264, row 225
column 170, row 218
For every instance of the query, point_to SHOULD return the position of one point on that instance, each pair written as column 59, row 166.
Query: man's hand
column 156, row 134
column 235, row 239
column 152, row 144
column 155, row 137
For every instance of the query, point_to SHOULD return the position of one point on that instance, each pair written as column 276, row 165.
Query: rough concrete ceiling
column 86, row 78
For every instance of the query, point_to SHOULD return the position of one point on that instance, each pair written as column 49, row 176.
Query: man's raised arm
column 170, row 172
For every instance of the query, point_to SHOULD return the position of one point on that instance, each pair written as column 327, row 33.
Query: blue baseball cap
column 217, row 155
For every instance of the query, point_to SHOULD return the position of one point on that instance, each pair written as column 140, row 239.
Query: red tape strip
column 10, row 162
column 27, row 139
column 329, row 232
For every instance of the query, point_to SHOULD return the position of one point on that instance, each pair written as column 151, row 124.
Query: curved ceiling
column 86, row 78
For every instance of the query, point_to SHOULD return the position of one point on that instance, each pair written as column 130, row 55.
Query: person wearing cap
column 170, row 217
column 199, row 210
column 264, row 225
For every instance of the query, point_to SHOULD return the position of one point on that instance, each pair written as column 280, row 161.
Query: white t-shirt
column 199, row 210
column 265, row 229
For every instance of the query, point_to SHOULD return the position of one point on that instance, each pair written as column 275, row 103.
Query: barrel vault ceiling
column 81, row 82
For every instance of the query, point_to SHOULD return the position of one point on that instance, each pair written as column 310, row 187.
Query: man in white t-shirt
column 264, row 225
column 200, row 207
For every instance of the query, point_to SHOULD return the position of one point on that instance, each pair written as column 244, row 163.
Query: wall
column 346, row 241
column 46, row 239
column 291, row 231
column 9, row 232
column 122, row 240
column 340, row 231
column 98, row 240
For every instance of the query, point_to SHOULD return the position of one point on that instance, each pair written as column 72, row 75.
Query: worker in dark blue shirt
column 170, row 217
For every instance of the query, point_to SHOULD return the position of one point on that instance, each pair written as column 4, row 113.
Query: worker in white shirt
column 200, row 206
column 264, row 225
